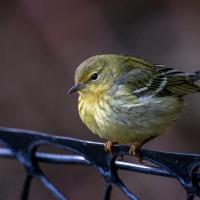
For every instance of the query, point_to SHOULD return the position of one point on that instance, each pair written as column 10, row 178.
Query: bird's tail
column 196, row 76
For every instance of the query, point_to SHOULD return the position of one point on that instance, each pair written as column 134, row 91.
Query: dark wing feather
column 178, row 83
column 159, row 81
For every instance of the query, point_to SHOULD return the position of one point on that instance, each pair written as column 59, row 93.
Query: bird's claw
column 135, row 151
column 108, row 147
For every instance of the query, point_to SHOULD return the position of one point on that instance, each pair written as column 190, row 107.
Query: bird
column 129, row 100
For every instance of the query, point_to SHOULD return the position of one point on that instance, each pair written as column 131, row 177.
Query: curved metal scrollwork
column 22, row 145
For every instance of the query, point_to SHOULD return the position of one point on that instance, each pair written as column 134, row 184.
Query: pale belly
column 132, row 123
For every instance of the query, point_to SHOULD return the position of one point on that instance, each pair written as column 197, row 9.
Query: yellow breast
column 126, row 119
column 87, row 114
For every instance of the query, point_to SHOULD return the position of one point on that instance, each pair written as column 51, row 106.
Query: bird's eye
column 94, row 77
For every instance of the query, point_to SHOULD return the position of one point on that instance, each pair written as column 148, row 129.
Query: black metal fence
column 23, row 145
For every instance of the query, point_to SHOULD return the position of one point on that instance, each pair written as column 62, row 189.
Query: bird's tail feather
column 197, row 76
column 194, row 77
column 186, row 84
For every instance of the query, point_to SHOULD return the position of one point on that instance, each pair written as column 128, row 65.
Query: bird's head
column 96, row 74
column 99, row 73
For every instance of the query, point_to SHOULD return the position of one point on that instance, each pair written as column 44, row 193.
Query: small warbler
column 124, row 99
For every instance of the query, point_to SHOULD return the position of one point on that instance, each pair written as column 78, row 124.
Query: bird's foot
column 135, row 151
column 108, row 146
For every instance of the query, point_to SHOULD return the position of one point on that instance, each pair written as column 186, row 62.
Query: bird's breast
column 97, row 114
column 126, row 119
column 87, row 114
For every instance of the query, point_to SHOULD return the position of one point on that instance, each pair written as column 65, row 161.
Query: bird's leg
column 108, row 146
column 135, row 151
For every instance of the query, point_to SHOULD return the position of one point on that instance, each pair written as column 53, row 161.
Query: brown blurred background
column 41, row 44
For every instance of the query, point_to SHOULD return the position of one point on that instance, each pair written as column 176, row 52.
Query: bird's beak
column 74, row 88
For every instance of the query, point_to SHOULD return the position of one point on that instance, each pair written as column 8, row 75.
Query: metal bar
column 80, row 160
column 22, row 146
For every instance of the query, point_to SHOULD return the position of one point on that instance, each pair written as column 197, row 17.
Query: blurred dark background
column 42, row 43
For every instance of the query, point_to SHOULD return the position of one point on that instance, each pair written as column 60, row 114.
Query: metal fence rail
column 23, row 145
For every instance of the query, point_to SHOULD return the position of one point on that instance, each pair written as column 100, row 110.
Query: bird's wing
column 158, row 81
column 178, row 83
